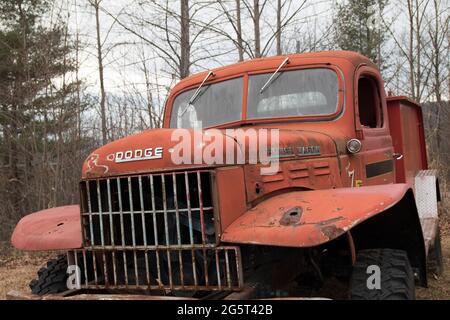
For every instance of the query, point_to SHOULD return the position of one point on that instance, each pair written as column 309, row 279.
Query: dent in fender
column 51, row 229
column 311, row 218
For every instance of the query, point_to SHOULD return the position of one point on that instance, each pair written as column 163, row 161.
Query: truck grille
column 154, row 231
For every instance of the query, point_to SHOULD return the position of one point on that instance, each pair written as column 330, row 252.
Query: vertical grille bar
column 155, row 228
column 188, row 202
column 191, row 230
column 200, row 204
column 122, row 232
column 94, row 264
column 111, row 229
column 91, row 224
column 219, row 280
column 100, row 213
column 177, row 221
column 102, row 233
column 166, row 229
column 133, row 230
column 202, row 224
column 227, row 265
column 85, row 269
column 144, row 229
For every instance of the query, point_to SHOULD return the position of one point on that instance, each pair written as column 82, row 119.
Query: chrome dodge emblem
column 138, row 155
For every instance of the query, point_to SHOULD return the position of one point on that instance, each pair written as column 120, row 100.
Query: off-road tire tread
column 397, row 276
column 52, row 278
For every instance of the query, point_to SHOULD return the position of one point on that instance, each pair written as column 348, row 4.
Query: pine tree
column 357, row 27
column 36, row 99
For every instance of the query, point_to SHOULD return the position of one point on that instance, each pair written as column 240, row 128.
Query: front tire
column 52, row 278
column 397, row 276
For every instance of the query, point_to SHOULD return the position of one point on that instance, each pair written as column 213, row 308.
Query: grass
column 18, row 268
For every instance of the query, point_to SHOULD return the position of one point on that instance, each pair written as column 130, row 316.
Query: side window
column 369, row 103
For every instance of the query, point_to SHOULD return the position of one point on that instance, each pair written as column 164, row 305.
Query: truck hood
column 155, row 150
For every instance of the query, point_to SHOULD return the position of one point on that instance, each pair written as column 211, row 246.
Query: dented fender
column 311, row 218
column 51, row 229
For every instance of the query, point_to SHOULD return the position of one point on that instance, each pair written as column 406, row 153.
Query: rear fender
column 311, row 218
column 51, row 229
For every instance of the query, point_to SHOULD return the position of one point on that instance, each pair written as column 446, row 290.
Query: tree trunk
column 412, row 80
column 418, row 54
column 256, row 26
column 239, row 30
column 96, row 5
column 185, row 41
column 279, row 50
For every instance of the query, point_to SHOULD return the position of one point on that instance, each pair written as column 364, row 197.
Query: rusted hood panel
column 311, row 218
column 104, row 161
column 51, row 229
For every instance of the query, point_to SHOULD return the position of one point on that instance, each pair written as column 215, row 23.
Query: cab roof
column 338, row 58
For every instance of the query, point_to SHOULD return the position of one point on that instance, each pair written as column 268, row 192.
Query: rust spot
column 332, row 232
column 292, row 217
column 330, row 221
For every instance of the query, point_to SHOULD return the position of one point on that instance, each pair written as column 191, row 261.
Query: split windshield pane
column 293, row 94
column 216, row 104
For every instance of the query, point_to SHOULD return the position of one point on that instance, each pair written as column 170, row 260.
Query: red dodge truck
column 351, row 200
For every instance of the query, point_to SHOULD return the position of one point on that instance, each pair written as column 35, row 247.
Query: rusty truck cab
column 359, row 108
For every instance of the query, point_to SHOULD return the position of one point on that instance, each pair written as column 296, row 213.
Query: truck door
column 375, row 160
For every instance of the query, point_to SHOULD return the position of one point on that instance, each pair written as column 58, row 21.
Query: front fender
column 311, row 218
column 51, row 229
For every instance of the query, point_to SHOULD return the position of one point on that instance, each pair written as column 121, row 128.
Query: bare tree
column 96, row 5
column 185, row 45
column 438, row 29
column 279, row 7
column 239, row 30
column 236, row 24
column 256, row 16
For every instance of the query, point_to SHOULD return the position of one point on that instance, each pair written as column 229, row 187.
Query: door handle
column 398, row 156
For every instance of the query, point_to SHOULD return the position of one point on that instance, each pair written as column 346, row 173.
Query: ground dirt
column 438, row 286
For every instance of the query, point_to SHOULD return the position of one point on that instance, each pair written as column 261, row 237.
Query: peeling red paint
column 264, row 224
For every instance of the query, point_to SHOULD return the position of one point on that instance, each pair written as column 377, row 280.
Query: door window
column 369, row 103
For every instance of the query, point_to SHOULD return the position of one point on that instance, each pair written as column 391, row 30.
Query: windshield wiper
column 269, row 82
column 197, row 92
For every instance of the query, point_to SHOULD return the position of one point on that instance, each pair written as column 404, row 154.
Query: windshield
column 306, row 92
column 215, row 104
column 293, row 93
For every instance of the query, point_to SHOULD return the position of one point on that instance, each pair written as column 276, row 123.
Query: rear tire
column 397, row 276
column 52, row 278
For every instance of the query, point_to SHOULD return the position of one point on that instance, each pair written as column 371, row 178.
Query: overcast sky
column 122, row 66
column 121, row 62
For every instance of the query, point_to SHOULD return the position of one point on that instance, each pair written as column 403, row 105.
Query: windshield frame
column 246, row 79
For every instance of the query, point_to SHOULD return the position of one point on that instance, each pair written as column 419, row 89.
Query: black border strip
column 379, row 168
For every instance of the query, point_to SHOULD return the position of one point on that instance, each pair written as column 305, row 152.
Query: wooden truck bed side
column 407, row 130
